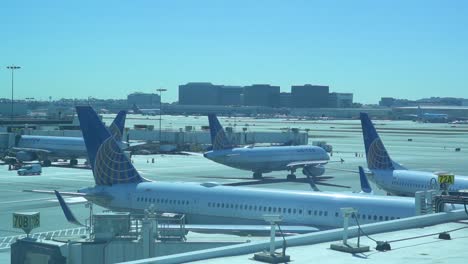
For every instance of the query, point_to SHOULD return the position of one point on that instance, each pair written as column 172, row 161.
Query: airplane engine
column 26, row 156
column 313, row 171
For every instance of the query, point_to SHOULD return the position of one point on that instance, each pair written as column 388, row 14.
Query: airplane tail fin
column 218, row 137
column 365, row 186
column 376, row 154
column 109, row 163
column 117, row 127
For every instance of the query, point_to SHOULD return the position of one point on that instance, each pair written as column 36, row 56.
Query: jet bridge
column 114, row 237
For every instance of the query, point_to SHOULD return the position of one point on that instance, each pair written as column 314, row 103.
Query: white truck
column 30, row 169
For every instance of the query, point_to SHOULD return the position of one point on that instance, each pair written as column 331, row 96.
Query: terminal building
column 143, row 99
column 262, row 95
column 19, row 108
column 309, row 96
column 199, row 93
column 231, row 95
column 340, row 100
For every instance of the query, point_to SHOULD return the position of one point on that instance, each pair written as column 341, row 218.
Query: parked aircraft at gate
column 119, row 186
column 393, row 177
column 264, row 159
column 48, row 148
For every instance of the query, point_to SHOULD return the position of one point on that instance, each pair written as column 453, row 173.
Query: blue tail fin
column 365, row 186
column 218, row 137
column 109, row 163
column 376, row 154
column 118, row 125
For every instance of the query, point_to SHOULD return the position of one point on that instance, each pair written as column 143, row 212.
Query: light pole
column 160, row 110
column 12, row 68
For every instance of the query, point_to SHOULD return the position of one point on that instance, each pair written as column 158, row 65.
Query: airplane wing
column 40, row 151
column 247, row 229
column 192, row 153
column 313, row 163
column 101, row 197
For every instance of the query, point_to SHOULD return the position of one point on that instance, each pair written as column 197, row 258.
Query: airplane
column 429, row 117
column 211, row 206
column 261, row 160
column 148, row 111
column 48, row 148
column 392, row 177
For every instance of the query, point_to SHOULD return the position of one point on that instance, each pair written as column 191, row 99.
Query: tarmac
column 432, row 148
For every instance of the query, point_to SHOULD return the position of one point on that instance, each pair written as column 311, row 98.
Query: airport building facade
column 309, row 96
column 143, row 99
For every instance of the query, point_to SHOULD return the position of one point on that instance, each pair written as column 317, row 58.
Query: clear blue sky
column 108, row 49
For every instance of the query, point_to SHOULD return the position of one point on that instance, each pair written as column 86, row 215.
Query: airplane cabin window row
column 162, row 201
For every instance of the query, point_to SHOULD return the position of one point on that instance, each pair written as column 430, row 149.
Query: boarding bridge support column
column 272, row 256
column 147, row 237
column 344, row 246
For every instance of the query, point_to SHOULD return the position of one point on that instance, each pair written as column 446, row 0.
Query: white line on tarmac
column 28, row 200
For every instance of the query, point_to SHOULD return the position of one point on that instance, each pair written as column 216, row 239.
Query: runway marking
column 28, row 200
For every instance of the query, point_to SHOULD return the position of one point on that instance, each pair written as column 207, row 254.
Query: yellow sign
column 26, row 221
column 446, row 178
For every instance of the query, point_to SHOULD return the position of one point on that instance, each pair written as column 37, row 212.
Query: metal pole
column 160, row 111
column 160, row 114
column 12, row 85
column 12, row 68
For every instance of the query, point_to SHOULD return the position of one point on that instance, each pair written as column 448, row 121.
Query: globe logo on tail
column 377, row 156
column 112, row 166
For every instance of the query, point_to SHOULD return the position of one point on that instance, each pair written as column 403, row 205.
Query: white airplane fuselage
column 214, row 204
column 408, row 182
column 57, row 147
column 266, row 159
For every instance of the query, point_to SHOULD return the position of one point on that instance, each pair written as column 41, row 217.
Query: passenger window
column 294, row 211
column 326, row 213
column 309, row 212
column 289, row 210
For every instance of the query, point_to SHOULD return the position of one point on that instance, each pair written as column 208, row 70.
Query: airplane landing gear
column 291, row 176
column 257, row 175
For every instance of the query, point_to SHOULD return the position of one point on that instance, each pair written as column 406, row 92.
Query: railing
column 5, row 242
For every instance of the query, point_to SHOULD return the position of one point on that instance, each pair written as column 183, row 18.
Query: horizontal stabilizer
column 74, row 194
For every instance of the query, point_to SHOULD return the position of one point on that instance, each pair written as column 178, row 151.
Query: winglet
column 218, row 137
column 365, row 186
column 66, row 210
